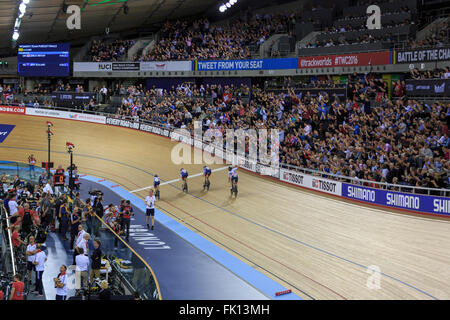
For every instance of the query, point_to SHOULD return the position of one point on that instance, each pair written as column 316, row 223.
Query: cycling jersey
column 183, row 174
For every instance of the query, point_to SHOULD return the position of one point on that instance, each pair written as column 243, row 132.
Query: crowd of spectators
column 365, row 135
column 115, row 51
column 201, row 40
column 349, row 18
column 416, row 74
column 36, row 210
column 438, row 37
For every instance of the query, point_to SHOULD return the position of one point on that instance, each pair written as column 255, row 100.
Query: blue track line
column 248, row 220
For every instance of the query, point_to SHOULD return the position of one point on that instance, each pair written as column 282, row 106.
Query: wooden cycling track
column 318, row 246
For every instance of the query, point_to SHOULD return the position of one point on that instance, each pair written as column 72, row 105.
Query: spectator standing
column 82, row 265
column 48, row 188
column 30, row 252
column 61, row 284
column 126, row 217
column 79, row 243
column 39, row 263
column 17, row 288
column 96, row 258
column 15, row 237
column 64, row 219
column 103, row 92
column 75, row 222
column 12, row 205
column 99, row 211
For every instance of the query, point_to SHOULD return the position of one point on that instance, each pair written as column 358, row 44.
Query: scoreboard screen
column 38, row 60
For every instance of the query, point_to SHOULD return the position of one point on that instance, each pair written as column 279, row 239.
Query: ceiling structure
column 45, row 21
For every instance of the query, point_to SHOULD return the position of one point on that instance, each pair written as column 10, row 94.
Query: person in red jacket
column 127, row 212
column 17, row 288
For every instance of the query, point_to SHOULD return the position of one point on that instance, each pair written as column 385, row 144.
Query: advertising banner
column 311, row 182
column 155, row 130
column 345, row 60
column 72, row 98
column 5, row 130
column 166, row 66
column 11, row 109
column 414, row 202
column 66, row 115
column 255, row 64
column 122, row 123
column 422, row 55
column 132, row 66
column 431, row 87
column 125, row 66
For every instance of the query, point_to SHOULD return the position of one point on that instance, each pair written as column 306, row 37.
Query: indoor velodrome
column 318, row 246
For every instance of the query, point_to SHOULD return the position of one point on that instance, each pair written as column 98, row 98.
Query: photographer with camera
column 61, row 283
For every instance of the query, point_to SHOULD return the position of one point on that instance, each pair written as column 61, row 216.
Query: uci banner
column 132, row 66
column 254, row 64
column 399, row 200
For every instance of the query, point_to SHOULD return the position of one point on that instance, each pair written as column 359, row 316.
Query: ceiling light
column 233, row 2
column 15, row 35
column 26, row 1
column 222, row 8
column 228, row 5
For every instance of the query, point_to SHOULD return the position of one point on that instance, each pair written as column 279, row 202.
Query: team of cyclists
column 232, row 180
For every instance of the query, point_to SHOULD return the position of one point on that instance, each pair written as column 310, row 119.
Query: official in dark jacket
column 96, row 260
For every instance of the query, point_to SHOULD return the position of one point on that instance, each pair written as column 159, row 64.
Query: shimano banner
column 431, row 87
column 408, row 201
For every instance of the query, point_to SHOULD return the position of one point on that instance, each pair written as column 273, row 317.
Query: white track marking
column 179, row 179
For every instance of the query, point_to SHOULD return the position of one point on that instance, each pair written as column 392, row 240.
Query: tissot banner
column 422, row 55
column 415, row 202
